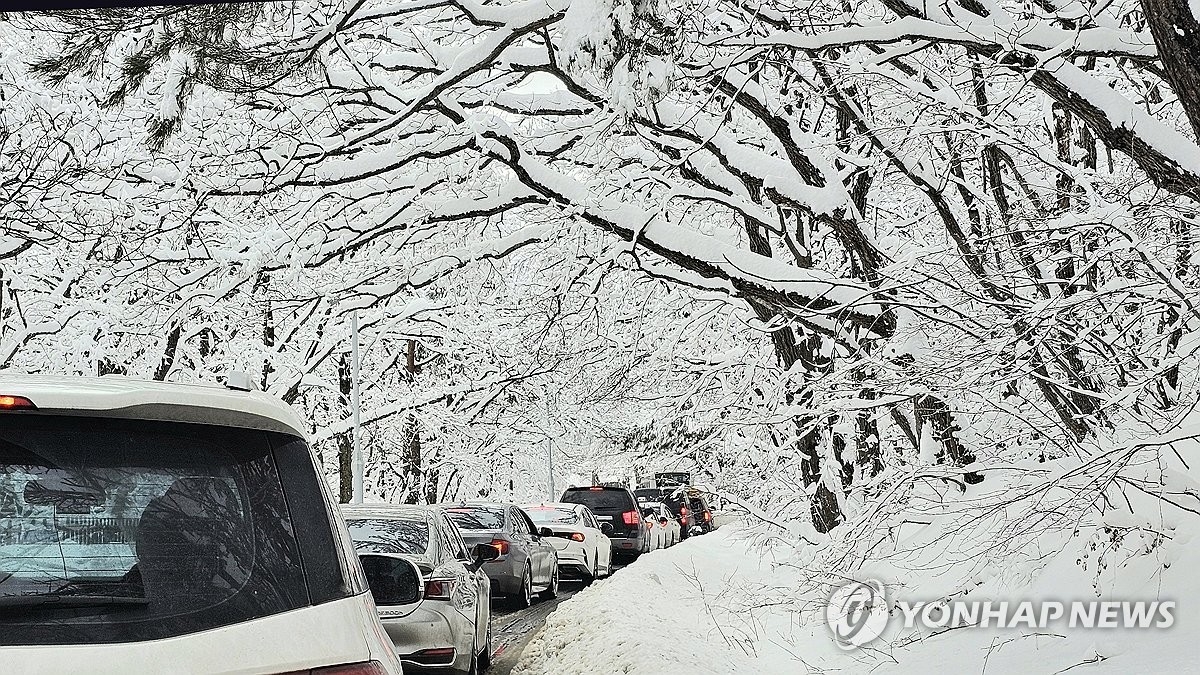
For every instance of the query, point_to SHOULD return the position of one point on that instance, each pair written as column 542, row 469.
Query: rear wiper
column 51, row 601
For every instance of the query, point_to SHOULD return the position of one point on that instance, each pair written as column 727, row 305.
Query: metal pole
column 550, row 453
column 355, row 404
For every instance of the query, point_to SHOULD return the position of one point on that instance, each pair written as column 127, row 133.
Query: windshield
column 115, row 530
column 477, row 517
column 550, row 514
column 389, row 535
column 600, row 500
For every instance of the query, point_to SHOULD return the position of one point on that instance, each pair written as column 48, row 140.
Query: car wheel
column 524, row 597
column 551, row 592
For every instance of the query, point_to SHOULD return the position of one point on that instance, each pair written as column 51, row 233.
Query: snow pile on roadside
column 716, row 604
column 683, row 610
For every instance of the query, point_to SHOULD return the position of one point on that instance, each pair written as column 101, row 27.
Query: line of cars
column 154, row 527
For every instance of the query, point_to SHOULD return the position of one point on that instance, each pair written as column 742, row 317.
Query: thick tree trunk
column 1177, row 35
column 934, row 414
column 345, row 442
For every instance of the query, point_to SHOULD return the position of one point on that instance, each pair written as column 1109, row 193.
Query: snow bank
column 683, row 610
column 715, row 604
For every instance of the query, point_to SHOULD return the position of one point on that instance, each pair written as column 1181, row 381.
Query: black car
column 676, row 500
column 687, row 503
column 618, row 507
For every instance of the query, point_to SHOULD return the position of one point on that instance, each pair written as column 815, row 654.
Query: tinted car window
column 388, row 535
column 549, row 514
column 118, row 530
column 477, row 517
column 599, row 500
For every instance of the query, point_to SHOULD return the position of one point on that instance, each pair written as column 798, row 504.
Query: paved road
column 512, row 629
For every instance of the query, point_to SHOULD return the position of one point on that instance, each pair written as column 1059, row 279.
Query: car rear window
column 549, row 514
column 120, row 530
column 600, row 500
column 389, row 535
column 477, row 517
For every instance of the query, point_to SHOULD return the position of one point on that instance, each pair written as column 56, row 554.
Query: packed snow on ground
column 736, row 602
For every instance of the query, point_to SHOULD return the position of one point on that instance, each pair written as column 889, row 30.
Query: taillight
column 500, row 545
column 16, row 403
column 364, row 668
column 438, row 589
column 576, row 536
column 707, row 516
column 596, row 489
column 631, row 517
column 440, row 656
column 683, row 512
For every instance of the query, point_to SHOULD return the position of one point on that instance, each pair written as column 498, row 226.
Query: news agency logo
column 858, row 612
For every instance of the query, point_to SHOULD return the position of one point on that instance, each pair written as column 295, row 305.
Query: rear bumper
column 627, row 546
column 505, row 575
column 573, row 556
column 430, row 626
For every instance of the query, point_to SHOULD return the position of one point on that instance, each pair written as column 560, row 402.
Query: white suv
column 163, row 528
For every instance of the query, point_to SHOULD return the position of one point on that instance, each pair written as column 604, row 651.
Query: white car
column 150, row 528
column 664, row 529
column 579, row 539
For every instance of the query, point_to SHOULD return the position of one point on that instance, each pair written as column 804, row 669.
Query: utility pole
column 356, row 405
column 550, row 454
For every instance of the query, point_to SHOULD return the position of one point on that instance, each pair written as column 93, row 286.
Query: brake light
column 16, row 403
column 441, row 656
column 576, row 536
column 707, row 516
column 596, row 489
column 683, row 512
column 500, row 545
column 439, row 589
column 364, row 668
column 631, row 517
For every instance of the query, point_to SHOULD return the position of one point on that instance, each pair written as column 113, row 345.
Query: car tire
column 551, row 591
column 524, row 597
column 590, row 574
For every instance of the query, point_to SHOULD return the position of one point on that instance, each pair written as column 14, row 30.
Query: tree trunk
column 1177, row 35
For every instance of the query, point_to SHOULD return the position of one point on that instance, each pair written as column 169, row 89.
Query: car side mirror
column 545, row 532
column 393, row 580
column 606, row 528
column 483, row 553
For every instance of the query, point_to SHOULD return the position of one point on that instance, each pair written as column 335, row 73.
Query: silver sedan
column 444, row 627
column 527, row 564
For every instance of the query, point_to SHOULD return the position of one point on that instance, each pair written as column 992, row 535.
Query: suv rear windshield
column 121, row 530
column 606, row 499
column 389, row 535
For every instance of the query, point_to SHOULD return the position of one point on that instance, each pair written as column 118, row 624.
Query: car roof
column 131, row 398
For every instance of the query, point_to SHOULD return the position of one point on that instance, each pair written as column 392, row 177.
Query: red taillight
column 500, row 545
column 596, row 489
column 631, row 517
column 683, row 512
column 576, row 536
column 439, row 589
column 364, row 668
column 707, row 516
column 16, row 403
column 440, row 656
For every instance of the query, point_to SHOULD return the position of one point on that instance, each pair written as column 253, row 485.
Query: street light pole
column 550, row 454
column 357, row 456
